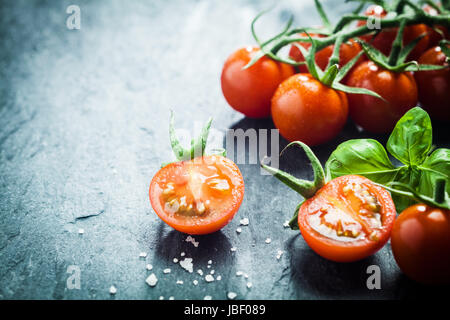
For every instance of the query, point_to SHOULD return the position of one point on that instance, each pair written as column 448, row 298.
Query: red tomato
column 433, row 36
column 249, row 91
column 434, row 86
column 383, row 41
column 198, row 196
column 421, row 244
column 346, row 53
column 371, row 113
column 304, row 109
column 349, row 219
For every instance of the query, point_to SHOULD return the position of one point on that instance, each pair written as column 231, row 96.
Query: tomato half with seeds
column 421, row 244
column 249, row 90
column 197, row 196
column 348, row 219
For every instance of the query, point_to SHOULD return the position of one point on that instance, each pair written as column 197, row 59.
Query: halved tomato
column 197, row 196
column 348, row 219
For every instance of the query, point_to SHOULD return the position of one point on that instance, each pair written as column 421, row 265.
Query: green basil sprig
column 411, row 143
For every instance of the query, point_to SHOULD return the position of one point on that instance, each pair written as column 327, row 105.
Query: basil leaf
column 410, row 141
column 410, row 177
column 436, row 166
column 366, row 157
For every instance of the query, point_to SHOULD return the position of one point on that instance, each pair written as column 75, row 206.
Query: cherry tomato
column 249, row 91
column 371, row 113
column 421, row 244
column 198, row 196
column 433, row 36
column 383, row 41
column 348, row 219
column 347, row 52
column 434, row 86
column 304, row 109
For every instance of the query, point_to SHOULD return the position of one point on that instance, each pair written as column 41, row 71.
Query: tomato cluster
column 304, row 109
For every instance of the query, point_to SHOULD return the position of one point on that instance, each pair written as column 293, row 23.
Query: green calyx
column 198, row 145
column 305, row 188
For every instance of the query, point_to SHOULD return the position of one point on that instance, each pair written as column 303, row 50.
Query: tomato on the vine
column 383, row 41
column 434, row 86
column 306, row 110
column 435, row 37
column 197, row 196
column 421, row 243
column 347, row 52
column 374, row 114
column 249, row 90
column 348, row 219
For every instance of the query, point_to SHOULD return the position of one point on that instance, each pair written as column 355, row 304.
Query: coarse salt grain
column 286, row 224
column 192, row 240
column 112, row 290
column 268, row 240
column 218, row 278
column 239, row 273
column 200, row 272
column 231, row 295
column 175, row 260
column 209, row 278
column 244, row 222
column 167, row 270
column 149, row 267
column 142, row 254
column 239, row 230
column 187, row 265
column 233, row 249
column 180, row 282
column 249, row 285
column 195, row 282
column 80, row 231
column 182, row 254
column 207, row 298
column 151, row 280
column 279, row 254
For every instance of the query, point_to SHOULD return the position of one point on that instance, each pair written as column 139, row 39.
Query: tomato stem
column 439, row 192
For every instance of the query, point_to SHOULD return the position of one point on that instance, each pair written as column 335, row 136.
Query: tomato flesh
column 198, row 196
column 348, row 219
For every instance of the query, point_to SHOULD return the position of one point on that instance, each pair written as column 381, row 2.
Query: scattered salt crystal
column 81, row 231
column 208, row 266
column 151, row 280
column 142, row 254
column 239, row 230
column 187, row 265
column 200, row 272
column 268, row 240
column 249, row 285
column 218, row 278
column 244, row 222
column 175, row 260
column 233, row 249
column 149, row 267
column 212, row 272
column 207, row 298
column 239, row 273
column 192, row 240
column 166, row 270
column 209, row 278
column 279, row 254
column 171, row 298
column 209, row 261
column 180, row 282
column 161, row 298
column 231, row 295
column 246, row 276
column 182, row 254
column 195, row 282
column 286, row 224
column 112, row 290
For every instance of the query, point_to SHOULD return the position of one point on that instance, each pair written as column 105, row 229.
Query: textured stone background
column 83, row 128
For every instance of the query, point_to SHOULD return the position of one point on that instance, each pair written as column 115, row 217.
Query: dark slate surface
column 83, row 128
